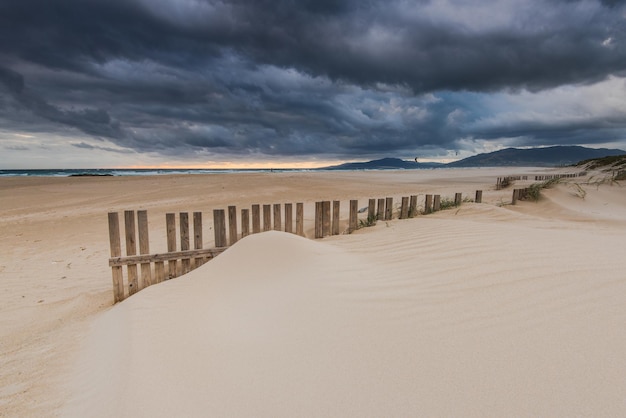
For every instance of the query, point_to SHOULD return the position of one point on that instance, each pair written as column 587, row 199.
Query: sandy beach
column 484, row 310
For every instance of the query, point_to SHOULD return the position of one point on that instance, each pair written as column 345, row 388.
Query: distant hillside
column 384, row 164
column 511, row 157
column 534, row 157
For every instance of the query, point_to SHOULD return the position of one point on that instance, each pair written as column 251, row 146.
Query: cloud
column 341, row 79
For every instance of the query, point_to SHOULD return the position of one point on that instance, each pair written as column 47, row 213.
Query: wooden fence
column 145, row 268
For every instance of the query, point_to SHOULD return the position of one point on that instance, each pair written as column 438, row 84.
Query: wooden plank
column 404, row 208
column 176, row 255
column 219, row 227
column 170, row 223
column 318, row 220
column 267, row 217
column 159, row 271
column 289, row 217
column 116, row 251
column 245, row 222
column 436, row 202
column 479, row 196
column 458, row 198
column 380, row 214
column 131, row 249
column 326, row 218
column 336, row 210
column 232, row 224
column 300, row 219
column 278, row 222
column 184, row 240
column 353, row 220
column 256, row 219
column 371, row 210
column 144, row 247
column 428, row 204
column 197, row 237
column 413, row 206
column 389, row 208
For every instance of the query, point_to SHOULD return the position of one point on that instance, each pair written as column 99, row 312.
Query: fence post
column 256, row 219
column 428, row 204
column 288, row 217
column 116, row 251
column 354, row 213
column 436, row 202
column 267, row 218
column 413, row 206
column 458, row 198
column 326, row 218
column 318, row 220
column 479, row 196
column 144, row 247
column 336, row 207
column 380, row 213
column 514, row 198
column 300, row 219
column 389, row 208
column 277, row 218
column 131, row 249
column 219, row 227
column 197, row 237
column 371, row 210
column 245, row 222
column 404, row 208
column 232, row 225
column 184, row 241
column 170, row 223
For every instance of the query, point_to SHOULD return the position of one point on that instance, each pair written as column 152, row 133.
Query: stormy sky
column 110, row 83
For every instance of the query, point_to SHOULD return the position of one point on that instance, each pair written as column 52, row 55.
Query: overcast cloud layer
column 121, row 82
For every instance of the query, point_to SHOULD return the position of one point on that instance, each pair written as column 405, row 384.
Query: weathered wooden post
column 267, row 218
column 326, row 218
column 404, row 208
column 278, row 223
column 428, row 204
column 288, row 217
column 436, row 203
column 371, row 210
column 336, row 207
column 144, row 247
column 197, row 237
column 245, row 222
column 219, row 227
column 116, row 251
column 184, row 241
column 300, row 219
column 131, row 249
column 256, row 219
column 514, row 197
column 318, row 220
column 389, row 208
column 458, row 198
column 380, row 213
column 232, row 224
column 353, row 222
column 413, row 206
column 479, row 196
column 170, row 223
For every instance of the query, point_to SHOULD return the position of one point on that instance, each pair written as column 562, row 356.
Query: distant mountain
column 384, row 164
column 535, row 157
column 512, row 157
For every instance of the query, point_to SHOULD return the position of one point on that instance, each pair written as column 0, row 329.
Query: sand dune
column 482, row 311
column 485, row 310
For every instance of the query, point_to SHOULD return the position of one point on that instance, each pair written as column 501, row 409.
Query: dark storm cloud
column 293, row 78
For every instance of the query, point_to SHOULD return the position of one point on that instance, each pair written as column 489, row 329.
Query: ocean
column 131, row 172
